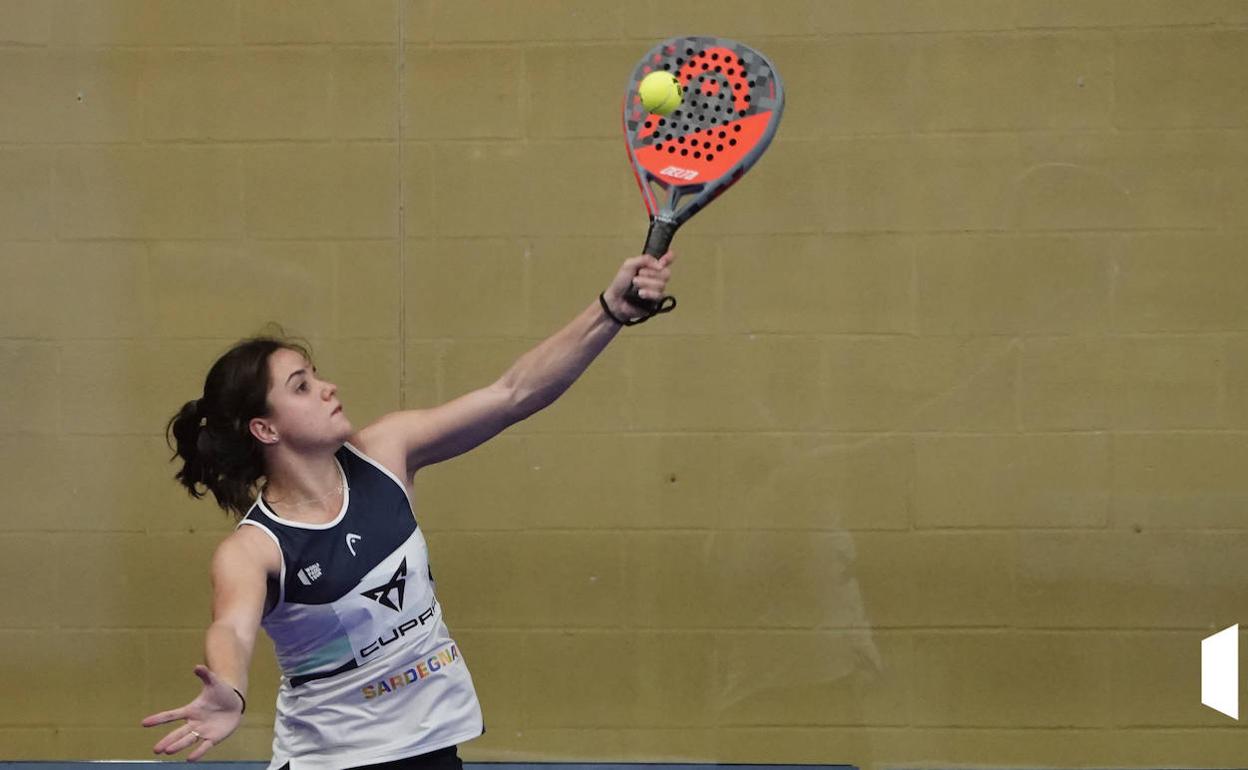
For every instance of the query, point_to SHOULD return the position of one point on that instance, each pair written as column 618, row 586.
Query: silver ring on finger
column 198, row 737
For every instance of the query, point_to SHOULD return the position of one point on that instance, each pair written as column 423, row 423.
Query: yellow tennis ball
column 659, row 92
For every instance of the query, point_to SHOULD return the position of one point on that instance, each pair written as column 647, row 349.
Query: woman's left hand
column 210, row 718
column 648, row 274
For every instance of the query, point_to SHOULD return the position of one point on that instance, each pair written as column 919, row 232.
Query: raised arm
column 533, row 382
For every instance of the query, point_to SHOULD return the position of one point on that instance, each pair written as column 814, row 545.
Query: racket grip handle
column 659, row 238
column 657, row 242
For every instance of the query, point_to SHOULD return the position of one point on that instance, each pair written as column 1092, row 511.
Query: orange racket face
column 732, row 101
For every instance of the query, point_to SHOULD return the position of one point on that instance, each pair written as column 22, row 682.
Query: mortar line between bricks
column 402, row 214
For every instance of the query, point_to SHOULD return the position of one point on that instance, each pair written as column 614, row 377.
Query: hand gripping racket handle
column 657, row 241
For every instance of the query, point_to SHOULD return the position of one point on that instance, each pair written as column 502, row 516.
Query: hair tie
column 199, row 412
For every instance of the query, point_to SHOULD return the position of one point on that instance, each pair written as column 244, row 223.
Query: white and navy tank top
column 370, row 672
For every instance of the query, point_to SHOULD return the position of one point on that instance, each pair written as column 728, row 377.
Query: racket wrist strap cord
column 662, row 307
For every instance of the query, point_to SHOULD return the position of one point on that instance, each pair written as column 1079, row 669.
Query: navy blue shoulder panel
column 323, row 563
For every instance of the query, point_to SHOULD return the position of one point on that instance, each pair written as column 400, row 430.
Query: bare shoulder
column 241, row 567
column 382, row 441
column 377, row 436
column 411, row 439
column 246, row 548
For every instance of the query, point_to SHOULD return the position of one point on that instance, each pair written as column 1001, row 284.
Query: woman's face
column 305, row 408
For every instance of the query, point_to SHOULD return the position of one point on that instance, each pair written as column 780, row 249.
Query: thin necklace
column 340, row 488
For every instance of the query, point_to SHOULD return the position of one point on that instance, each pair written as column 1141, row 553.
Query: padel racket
column 732, row 99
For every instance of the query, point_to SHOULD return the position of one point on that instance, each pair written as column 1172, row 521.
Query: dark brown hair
column 212, row 433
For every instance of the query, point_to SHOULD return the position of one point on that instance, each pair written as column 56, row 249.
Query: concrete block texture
column 938, row 462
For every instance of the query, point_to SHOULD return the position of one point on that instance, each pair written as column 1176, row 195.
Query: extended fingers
column 204, row 673
column 175, row 741
column 163, row 717
column 200, row 750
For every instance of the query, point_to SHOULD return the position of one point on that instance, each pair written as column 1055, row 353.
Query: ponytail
column 212, row 435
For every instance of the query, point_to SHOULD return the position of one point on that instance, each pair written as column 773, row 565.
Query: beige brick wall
column 940, row 461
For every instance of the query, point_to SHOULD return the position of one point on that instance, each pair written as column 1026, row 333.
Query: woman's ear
column 262, row 430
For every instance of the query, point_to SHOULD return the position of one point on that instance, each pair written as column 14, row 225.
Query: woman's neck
column 307, row 491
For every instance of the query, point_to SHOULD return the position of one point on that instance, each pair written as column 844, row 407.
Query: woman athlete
column 327, row 556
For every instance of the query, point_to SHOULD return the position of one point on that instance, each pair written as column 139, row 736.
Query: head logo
column 381, row 594
column 679, row 173
column 352, row 539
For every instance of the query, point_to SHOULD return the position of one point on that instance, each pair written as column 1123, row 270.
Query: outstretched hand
column 210, row 718
column 648, row 274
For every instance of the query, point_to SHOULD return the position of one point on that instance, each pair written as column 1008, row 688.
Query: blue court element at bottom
column 136, row 765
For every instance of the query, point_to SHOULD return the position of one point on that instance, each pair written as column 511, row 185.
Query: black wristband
column 244, row 700
column 603, row 301
column 662, row 307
